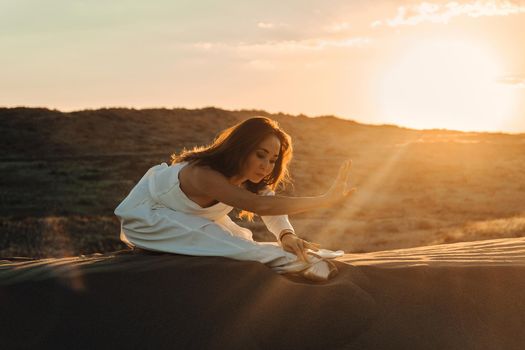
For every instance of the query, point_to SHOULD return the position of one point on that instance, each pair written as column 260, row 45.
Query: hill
column 64, row 173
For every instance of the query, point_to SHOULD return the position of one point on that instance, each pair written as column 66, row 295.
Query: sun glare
column 445, row 84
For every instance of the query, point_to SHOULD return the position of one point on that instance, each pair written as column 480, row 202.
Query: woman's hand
column 293, row 244
column 339, row 191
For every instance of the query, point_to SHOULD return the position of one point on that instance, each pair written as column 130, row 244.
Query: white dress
column 157, row 215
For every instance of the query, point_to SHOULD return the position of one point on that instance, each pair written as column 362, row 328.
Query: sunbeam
column 365, row 192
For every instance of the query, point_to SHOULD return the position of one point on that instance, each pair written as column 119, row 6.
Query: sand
column 455, row 296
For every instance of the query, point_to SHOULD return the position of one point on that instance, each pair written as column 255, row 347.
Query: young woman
column 182, row 208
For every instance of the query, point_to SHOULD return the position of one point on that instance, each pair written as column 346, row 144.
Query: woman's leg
column 180, row 233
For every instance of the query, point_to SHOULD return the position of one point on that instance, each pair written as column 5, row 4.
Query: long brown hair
column 231, row 148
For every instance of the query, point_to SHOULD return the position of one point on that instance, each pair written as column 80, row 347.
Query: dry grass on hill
column 64, row 173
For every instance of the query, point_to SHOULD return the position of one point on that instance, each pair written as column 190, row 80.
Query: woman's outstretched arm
column 217, row 186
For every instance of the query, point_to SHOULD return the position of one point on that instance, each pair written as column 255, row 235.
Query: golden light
column 448, row 84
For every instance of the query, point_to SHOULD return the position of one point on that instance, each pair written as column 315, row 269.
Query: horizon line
column 280, row 113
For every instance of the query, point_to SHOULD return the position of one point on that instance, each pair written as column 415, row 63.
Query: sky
column 419, row 64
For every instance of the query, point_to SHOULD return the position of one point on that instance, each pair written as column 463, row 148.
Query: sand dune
column 494, row 252
column 456, row 296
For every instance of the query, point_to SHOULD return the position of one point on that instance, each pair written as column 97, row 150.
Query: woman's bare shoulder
column 214, row 185
column 202, row 177
column 195, row 183
column 200, row 171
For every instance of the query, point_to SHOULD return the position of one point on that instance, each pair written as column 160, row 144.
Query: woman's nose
column 265, row 164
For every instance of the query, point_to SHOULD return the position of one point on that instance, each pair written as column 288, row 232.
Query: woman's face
column 261, row 161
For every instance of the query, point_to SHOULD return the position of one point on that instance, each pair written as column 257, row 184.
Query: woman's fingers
column 344, row 173
column 340, row 176
column 348, row 164
column 299, row 246
column 311, row 245
column 300, row 254
column 306, row 245
column 303, row 253
column 343, row 166
column 343, row 169
column 350, row 191
column 300, row 250
column 347, row 177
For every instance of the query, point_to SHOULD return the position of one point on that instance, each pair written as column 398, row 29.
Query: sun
column 448, row 84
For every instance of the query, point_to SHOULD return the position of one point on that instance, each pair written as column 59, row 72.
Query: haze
column 456, row 65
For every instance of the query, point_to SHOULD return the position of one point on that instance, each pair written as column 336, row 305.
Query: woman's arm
column 217, row 186
column 276, row 224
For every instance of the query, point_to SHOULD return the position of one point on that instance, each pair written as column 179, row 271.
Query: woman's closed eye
column 261, row 156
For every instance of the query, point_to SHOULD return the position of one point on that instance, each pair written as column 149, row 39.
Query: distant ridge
column 116, row 130
column 104, row 130
column 64, row 173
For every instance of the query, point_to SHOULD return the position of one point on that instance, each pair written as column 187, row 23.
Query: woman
column 182, row 208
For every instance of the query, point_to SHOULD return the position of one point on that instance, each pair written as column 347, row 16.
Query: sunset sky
column 437, row 64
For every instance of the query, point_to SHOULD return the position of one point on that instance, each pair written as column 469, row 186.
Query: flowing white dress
column 157, row 215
